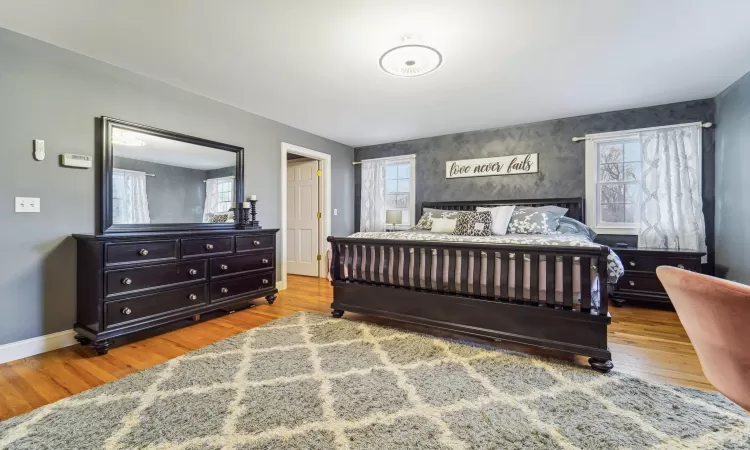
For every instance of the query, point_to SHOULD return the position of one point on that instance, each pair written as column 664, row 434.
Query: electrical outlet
column 28, row 204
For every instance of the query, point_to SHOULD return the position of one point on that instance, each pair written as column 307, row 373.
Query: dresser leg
column 618, row 302
column 196, row 317
column 83, row 340
column 102, row 347
column 337, row 313
column 271, row 298
column 602, row 365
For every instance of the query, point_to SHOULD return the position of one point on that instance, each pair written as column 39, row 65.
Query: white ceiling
column 314, row 64
column 160, row 150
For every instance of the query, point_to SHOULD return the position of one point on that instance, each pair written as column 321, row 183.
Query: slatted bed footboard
column 548, row 296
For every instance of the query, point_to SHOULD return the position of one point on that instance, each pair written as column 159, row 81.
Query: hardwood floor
column 644, row 342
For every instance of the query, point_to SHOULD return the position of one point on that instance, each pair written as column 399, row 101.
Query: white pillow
column 442, row 225
column 500, row 218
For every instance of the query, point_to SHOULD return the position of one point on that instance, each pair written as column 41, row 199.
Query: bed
column 499, row 287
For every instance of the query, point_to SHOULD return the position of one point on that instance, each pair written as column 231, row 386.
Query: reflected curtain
column 129, row 197
column 671, row 202
column 211, row 205
column 372, row 203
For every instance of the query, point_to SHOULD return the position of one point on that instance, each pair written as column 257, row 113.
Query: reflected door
column 302, row 217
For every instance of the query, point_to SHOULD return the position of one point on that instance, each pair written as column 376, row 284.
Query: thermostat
column 73, row 160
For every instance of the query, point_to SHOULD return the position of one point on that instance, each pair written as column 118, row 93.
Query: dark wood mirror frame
column 106, row 225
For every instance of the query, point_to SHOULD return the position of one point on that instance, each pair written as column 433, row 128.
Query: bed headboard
column 574, row 205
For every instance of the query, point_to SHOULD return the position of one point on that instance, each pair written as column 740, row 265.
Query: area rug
column 309, row 381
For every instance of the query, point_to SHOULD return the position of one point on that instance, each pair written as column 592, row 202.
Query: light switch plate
column 335, row 212
column 28, row 204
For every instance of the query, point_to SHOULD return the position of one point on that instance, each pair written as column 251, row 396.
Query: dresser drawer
column 258, row 242
column 130, row 252
column 229, row 265
column 128, row 310
column 238, row 286
column 640, row 282
column 197, row 247
column 649, row 263
column 119, row 282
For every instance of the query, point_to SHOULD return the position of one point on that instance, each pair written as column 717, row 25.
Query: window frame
column 411, row 159
column 221, row 181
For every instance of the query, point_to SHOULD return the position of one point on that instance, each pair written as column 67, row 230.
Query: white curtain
column 211, row 205
column 671, row 203
column 372, row 204
column 129, row 198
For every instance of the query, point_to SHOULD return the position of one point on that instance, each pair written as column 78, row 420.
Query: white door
column 302, row 217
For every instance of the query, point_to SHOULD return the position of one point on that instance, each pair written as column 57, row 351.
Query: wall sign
column 484, row 167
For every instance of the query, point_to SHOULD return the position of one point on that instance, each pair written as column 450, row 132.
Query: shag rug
column 309, row 381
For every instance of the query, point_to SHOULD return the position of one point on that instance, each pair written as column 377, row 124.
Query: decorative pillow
column 500, row 218
column 572, row 226
column 474, row 224
column 443, row 225
column 425, row 222
column 535, row 220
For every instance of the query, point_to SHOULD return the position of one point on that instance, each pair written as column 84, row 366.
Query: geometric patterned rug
column 308, row 381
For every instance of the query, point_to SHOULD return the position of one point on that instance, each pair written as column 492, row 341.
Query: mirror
column 156, row 179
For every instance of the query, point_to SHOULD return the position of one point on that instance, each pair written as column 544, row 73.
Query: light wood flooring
column 644, row 342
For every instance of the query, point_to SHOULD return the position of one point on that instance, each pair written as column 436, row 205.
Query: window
column 219, row 198
column 226, row 194
column 613, row 182
column 399, row 189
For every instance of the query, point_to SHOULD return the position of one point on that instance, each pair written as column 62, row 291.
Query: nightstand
column 639, row 283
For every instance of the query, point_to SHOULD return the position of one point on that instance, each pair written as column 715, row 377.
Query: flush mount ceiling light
column 122, row 137
column 412, row 59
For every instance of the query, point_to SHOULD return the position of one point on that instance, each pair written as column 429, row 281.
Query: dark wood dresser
column 639, row 283
column 128, row 282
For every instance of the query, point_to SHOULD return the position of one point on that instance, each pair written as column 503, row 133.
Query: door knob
column 265, row 281
column 224, row 290
column 264, row 261
column 256, row 243
column 126, row 311
column 193, row 272
column 632, row 263
column 631, row 283
column 126, row 281
column 143, row 252
column 680, row 266
column 209, row 246
column 224, row 267
column 193, row 297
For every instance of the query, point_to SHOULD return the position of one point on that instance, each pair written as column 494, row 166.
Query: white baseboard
column 280, row 285
column 35, row 346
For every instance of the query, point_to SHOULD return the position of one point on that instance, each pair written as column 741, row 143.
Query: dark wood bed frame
column 578, row 329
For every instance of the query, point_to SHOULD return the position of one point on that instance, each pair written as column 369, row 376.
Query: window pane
column 610, row 153
column 613, row 213
column 630, row 211
column 631, row 172
column 404, row 170
column 403, row 185
column 391, row 186
column 391, row 172
column 402, row 201
column 391, row 201
column 405, row 217
column 610, row 172
column 612, row 193
column 632, row 192
column 632, row 151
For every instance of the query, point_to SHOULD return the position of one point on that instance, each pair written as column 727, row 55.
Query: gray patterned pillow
column 535, row 220
column 473, row 224
column 425, row 222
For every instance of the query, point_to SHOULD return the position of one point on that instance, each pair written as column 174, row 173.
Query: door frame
column 324, row 228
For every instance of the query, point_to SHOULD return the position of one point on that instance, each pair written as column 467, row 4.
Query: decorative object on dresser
column 170, row 259
column 640, row 284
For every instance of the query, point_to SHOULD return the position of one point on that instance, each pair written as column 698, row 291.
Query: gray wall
column 175, row 194
column 561, row 161
column 733, row 182
column 53, row 94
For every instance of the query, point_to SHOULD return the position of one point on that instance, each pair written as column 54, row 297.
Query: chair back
column 716, row 316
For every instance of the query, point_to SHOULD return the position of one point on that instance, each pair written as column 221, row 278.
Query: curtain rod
column 394, row 158
column 703, row 124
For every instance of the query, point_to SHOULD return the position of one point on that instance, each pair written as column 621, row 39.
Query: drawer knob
column 193, row 272
column 264, row 261
column 209, row 246
column 126, row 311
column 632, row 263
column 680, row 266
column 126, row 281
column 256, row 243
column 143, row 252
column 224, row 267
column 265, row 280
column 631, row 283
column 224, row 290
column 193, row 297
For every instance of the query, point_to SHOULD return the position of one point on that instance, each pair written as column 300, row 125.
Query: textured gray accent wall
column 56, row 95
column 561, row 161
column 733, row 181
column 175, row 194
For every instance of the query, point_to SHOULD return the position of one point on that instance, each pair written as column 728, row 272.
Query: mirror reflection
column 158, row 180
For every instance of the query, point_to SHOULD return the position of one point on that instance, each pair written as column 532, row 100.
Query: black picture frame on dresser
column 106, row 224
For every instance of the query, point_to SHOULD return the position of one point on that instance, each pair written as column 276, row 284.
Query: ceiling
column 314, row 64
column 174, row 153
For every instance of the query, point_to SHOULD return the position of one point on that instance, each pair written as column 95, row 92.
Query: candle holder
column 254, row 223
column 246, row 210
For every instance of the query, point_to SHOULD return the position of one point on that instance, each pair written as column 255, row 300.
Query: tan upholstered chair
column 716, row 317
